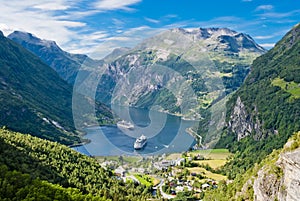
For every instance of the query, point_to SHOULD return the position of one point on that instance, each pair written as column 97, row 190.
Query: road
column 163, row 194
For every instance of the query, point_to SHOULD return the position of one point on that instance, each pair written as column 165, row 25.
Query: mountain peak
column 1, row 34
column 30, row 38
column 205, row 33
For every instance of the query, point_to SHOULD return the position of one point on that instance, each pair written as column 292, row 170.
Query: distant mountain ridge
column 34, row 99
column 195, row 55
column 199, row 56
column 234, row 40
column 65, row 64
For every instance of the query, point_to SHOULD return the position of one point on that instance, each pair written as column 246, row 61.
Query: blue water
column 165, row 133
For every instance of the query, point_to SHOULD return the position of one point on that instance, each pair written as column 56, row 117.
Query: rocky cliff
column 244, row 123
column 268, row 100
column 279, row 181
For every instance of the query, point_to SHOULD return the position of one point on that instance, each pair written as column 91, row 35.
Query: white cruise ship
column 140, row 142
column 125, row 124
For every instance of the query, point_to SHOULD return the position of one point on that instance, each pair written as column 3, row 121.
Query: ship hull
column 140, row 147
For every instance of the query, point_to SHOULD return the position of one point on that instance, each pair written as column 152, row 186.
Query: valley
column 111, row 101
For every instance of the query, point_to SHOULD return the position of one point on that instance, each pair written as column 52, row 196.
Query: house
column 179, row 161
column 109, row 164
column 163, row 165
column 120, row 171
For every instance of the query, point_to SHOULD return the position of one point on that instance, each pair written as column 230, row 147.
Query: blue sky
column 96, row 27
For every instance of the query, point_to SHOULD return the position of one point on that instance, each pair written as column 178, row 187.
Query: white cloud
column 263, row 37
column 267, row 45
column 40, row 19
column 264, row 7
column 273, row 35
column 115, row 4
column 152, row 20
column 51, row 6
column 127, row 38
column 280, row 15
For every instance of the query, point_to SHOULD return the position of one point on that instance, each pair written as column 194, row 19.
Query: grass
column 145, row 179
column 155, row 181
column 290, row 87
column 212, row 163
column 173, row 156
column 213, row 154
column 208, row 174
column 128, row 159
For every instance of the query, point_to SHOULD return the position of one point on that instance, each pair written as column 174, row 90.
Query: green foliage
column 58, row 164
column 232, row 191
column 277, row 110
column 17, row 186
column 30, row 91
column 34, row 99
column 295, row 142
column 291, row 87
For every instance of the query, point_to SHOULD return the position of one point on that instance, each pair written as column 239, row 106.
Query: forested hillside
column 274, row 178
column 29, row 163
column 265, row 111
column 34, row 99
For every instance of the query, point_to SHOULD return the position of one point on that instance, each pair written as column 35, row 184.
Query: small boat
column 125, row 124
column 140, row 142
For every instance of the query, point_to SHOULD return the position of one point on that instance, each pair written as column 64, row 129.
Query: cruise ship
column 125, row 124
column 140, row 142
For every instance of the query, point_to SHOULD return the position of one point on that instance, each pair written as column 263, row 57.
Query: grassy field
column 208, row 174
column 212, row 163
column 291, row 87
column 128, row 159
column 145, row 180
column 214, row 154
column 174, row 156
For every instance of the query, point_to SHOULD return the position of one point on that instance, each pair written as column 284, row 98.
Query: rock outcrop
column 283, row 184
column 243, row 123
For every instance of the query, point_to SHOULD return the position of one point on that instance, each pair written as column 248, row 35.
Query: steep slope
column 65, row 64
column 267, row 106
column 42, row 164
column 206, row 62
column 34, row 99
column 275, row 178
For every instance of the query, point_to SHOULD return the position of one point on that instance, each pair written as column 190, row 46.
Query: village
column 173, row 175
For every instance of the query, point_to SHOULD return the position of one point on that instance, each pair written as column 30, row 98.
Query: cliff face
column 242, row 123
column 283, row 184
column 276, row 105
column 290, row 163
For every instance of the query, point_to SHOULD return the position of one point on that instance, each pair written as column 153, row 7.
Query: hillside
column 49, row 167
column 179, row 71
column 34, row 99
column 275, row 178
column 65, row 64
column 208, row 62
column 264, row 112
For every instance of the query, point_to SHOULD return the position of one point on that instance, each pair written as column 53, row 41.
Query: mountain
column 180, row 71
column 264, row 112
column 65, row 64
column 116, row 53
column 175, row 71
column 37, row 169
column 34, row 99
